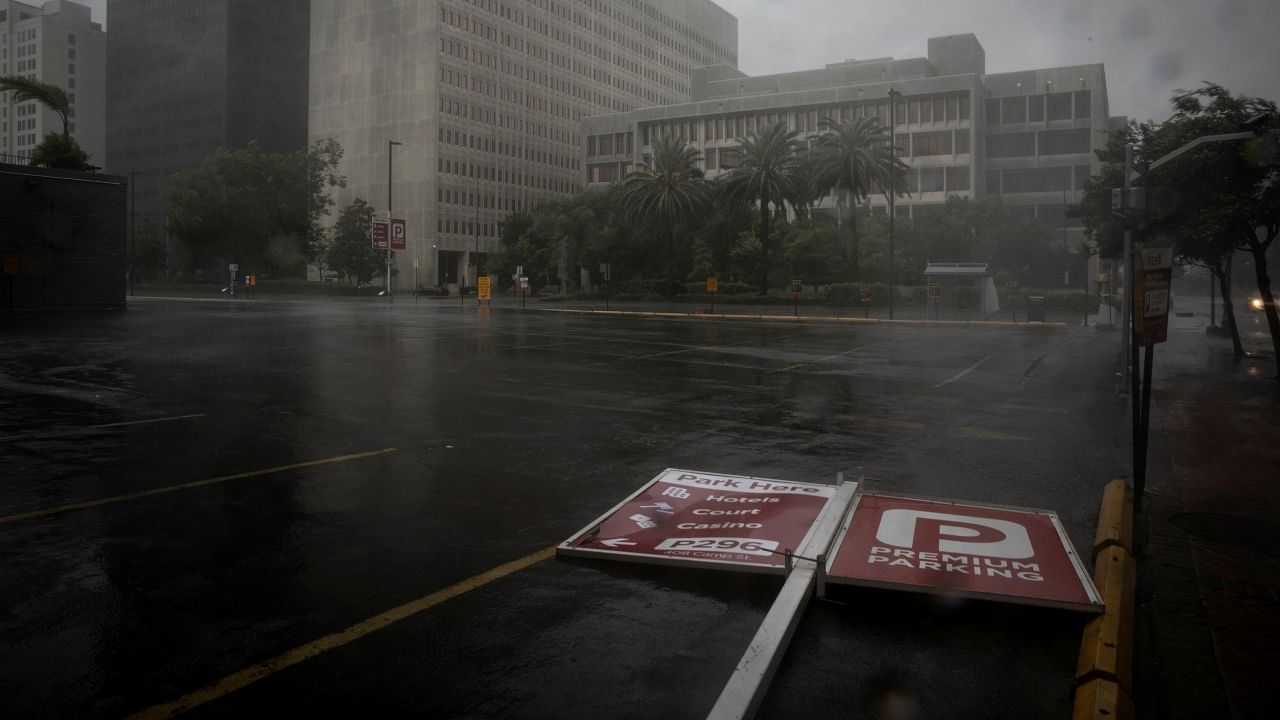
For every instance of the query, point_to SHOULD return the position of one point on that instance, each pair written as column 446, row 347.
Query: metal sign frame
column 1095, row 603
column 570, row 549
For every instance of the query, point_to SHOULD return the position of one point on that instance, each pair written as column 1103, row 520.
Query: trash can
column 1035, row 308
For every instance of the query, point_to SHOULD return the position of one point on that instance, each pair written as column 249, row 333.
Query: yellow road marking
column 74, row 428
column 147, row 422
column 254, row 673
column 962, row 373
column 187, row 486
column 882, row 422
column 972, row 433
column 1033, row 408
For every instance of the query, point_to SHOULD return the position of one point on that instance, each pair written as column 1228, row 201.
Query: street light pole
column 390, row 145
column 893, row 190
column 133, row 212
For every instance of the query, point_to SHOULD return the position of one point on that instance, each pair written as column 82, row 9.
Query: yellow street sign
column 713, row 284
column 482, row 287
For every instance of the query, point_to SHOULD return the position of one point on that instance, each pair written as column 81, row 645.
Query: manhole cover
column 1259, row 536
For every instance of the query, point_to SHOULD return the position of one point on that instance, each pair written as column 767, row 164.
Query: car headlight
column 1256, row 303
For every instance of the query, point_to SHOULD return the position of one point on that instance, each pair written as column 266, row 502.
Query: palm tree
column 52, row 96
column 854, row 158
column 669, row 187
column 767, row 173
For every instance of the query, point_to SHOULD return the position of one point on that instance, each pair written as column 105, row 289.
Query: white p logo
column 941, row 532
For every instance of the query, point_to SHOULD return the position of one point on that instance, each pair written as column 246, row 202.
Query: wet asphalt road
column 458, row 440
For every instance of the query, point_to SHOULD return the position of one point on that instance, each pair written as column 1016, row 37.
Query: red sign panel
column 381, row 234
column 686, row 517
column 1152, row 325
column 397, row 234
column 969, row 550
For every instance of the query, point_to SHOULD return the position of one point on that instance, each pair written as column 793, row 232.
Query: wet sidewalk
column 1208, row 635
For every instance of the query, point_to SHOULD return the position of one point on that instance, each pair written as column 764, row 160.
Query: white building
column 486, row 97
column 58, row 44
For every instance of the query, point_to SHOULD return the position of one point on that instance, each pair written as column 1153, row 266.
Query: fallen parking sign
column 964, row 549
column 687, row 517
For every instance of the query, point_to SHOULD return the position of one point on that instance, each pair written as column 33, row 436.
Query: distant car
column 1256, row 304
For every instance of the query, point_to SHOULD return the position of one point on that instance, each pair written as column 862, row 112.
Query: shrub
column 850, row 294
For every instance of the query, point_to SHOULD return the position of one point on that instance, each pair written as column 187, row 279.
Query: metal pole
column 893, row 190
column 390, row 145
column 133, row 212
column 1127, row 312
column 1140, row 453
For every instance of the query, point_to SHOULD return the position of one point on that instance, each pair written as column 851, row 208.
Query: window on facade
column 1082, row 105
column 1011, row 145
column 937, row 143
column 712, row 158
column 931, row 179
column 962, row 142
column 993, row 111
column 913, row 109
column 993, row 182
column 1064, row 142
column 939, row 109
column 1036, row 107
column 1013, row 110
column 964, row 107
column 1059, row 106
column 1036, row 180
column 957, row 178
column 1082, row 176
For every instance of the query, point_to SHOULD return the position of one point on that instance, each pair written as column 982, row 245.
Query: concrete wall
column 66, row 233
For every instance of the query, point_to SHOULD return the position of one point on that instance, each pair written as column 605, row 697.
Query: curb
column 798, row 318
column 1104, row 669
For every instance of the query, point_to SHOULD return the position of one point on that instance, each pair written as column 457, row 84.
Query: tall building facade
column 1025, row 137
column 485, row 98
column 187, row 77
column 58, row 44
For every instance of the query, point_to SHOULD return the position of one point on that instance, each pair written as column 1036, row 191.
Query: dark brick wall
column 67, row 231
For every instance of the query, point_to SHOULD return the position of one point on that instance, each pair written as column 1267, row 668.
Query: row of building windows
column 457, row 226
column 1044, row 142
column 950, row 108
column 503, row 148
column 1050, row 107
column 517, row 177
column 466, row 23
column 495, row 119
column 1037, row 180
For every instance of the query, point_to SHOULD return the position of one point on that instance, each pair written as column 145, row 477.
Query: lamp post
column 133, row 212
column 390, row 144
column 893, row 190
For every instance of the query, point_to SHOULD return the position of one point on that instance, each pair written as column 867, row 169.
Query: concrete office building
column 186, row 77
column 54, row 43
column 486, row 97
column 1026, row 137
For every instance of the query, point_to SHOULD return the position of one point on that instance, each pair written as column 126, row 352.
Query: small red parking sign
column 964, row 549
column 689, row 517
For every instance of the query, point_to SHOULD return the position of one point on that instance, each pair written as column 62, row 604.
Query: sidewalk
column 1208, row 630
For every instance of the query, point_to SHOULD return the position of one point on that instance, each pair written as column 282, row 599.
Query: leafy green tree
column 61, row 153
column 352, row 253
column 767, row 173
column 148, row 255
column 51, row 96
column 854, row 158
column 813, row 252
column 669, row 189
column 259, row 209
column 1208, row 201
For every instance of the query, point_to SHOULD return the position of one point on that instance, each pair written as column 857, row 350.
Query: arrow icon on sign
column 616, row 542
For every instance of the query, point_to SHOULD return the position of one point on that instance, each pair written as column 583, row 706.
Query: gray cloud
column 1150, row 49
